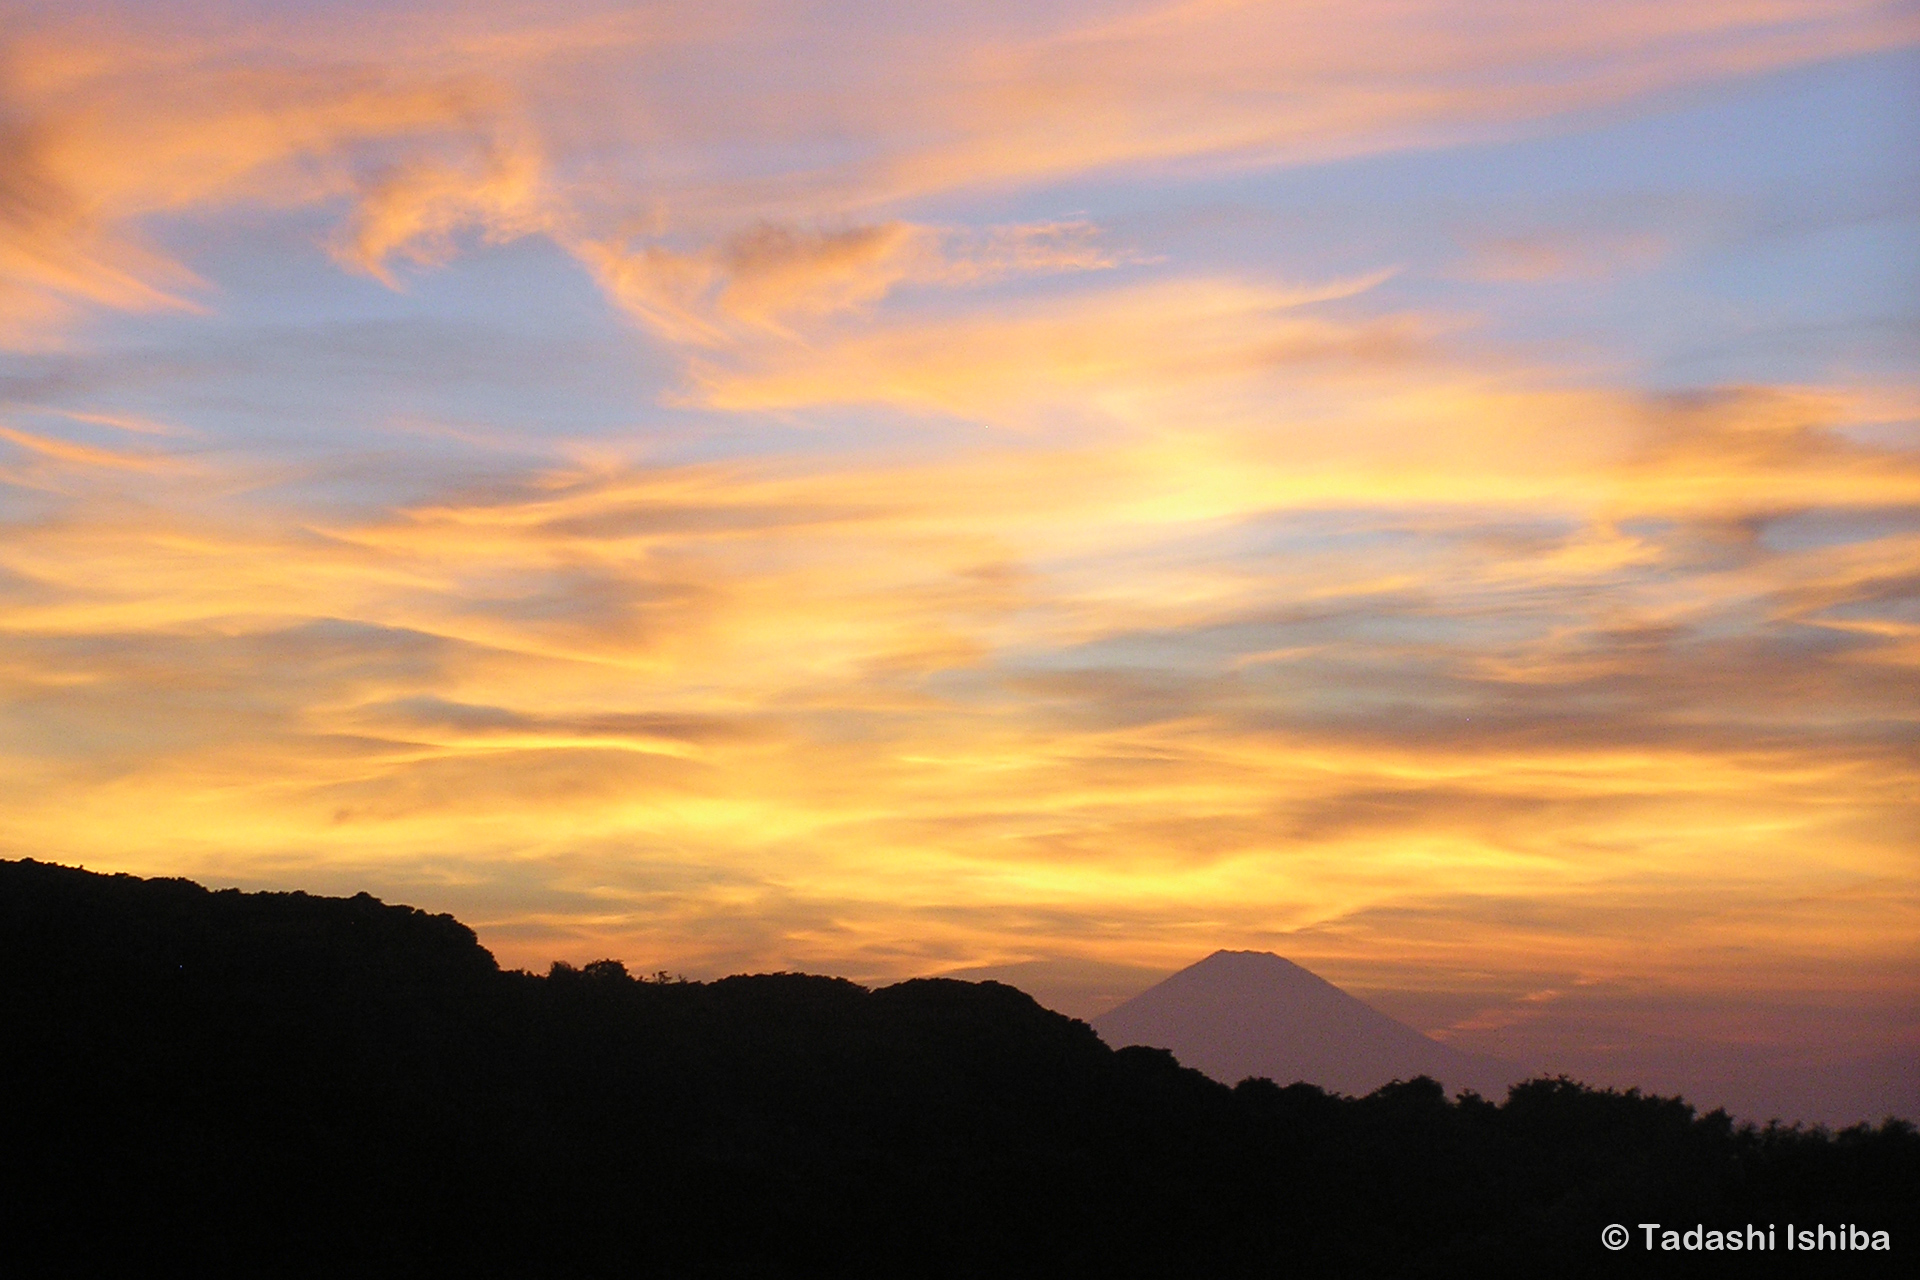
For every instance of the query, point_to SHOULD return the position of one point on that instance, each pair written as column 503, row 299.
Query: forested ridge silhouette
column 283, row 1084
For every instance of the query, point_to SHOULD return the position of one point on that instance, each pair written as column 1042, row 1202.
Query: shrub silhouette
column 293, row 1085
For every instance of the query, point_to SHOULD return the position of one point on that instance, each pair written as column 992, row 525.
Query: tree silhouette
column 293, row 1085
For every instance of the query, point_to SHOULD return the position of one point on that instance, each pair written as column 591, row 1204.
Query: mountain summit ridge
column 1240, row 1014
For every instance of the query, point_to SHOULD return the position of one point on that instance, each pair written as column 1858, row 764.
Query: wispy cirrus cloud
column 1112, row 346
column 1014, row 694
column 430, row 123
column 760, row 282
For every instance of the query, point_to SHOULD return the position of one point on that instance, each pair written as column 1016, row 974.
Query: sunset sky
column 1427, row 487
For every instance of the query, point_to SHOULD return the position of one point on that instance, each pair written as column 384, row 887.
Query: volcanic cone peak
column 1252, row 1013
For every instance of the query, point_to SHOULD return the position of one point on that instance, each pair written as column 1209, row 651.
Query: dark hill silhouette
column 275, row 1084
column 1240, row 1014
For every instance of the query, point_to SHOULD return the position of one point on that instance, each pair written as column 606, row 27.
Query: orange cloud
column 1106, row 347
column 1534, row 258
column 64, row 455
column 417, row 212
column 1236, row 83
column 111, row 130
column 428, row 123
column 757, row 283
column 1119, row 701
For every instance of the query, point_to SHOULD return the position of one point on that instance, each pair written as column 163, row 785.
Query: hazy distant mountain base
column 1251, row 1013
column 279, row 1084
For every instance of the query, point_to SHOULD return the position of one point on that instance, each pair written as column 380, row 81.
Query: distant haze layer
column 1235, row 1015
column 1238, row 1014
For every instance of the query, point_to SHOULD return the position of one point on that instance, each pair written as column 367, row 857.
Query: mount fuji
column 1252, row 1013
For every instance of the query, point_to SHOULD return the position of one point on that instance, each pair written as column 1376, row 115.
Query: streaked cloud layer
column 1433, row 489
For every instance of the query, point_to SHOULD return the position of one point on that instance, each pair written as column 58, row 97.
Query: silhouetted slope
column 208, row 1072
column 274, row 1084
column 1241, row 1014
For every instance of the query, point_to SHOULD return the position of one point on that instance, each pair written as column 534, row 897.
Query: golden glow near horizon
column 745, row 485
